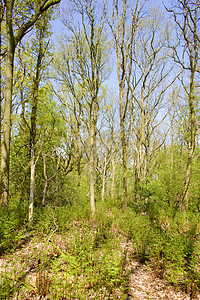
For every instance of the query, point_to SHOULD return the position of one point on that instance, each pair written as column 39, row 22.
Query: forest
column 99, row 149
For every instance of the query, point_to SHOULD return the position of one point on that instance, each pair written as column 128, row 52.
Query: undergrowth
column 12, row 228
column 78, row 256
column 170, row 245
column 73, row 258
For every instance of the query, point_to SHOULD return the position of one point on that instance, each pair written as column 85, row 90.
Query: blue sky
column 59, row 29
column 58, row 26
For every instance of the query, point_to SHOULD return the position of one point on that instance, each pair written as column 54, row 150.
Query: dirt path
column 143, row 283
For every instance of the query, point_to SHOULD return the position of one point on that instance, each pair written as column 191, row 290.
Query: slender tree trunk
column 34, row 115
column 48, row 179
column 113, row 179
column 5, row 152
column 21, row 86
column 103, row 189
column 124, row 170
column 104, row 179
column 33, row 131
column 79, row 169
column 172, row 150
column 93, row 110
column 139, row 150
column 32, row 161
column 183, row 197
column 171, row 157
column 147, row 154
column 91, row 162
column 23, row 131
column 32, row 183
column 123, row 142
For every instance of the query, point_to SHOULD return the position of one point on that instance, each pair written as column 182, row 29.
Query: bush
column 12, row 228
column 170, row 245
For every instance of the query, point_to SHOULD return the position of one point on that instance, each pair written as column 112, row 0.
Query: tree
column 32, row 62
column 2, row 8
column 42, row 28
column 14, row 36
column 148, row 85
column 186, row 55
column 123, row 32
column 83, row 71
column 108, row 143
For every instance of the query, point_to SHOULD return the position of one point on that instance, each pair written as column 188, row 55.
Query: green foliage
column 89, row 269
column 12, row 228
column 82, row 258
column 88, row 261
column 170, row 245
column 82, row 255
column 6, row 286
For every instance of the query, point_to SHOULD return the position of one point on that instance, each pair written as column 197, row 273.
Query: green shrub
column 169, row 243
column 12, row 228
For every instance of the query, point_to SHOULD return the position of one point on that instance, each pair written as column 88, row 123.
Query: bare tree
column 109, row 139
column 148, row 84
column 124, row 21
column 83, row 69
column 186, row 55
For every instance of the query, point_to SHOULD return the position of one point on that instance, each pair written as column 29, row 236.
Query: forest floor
column 22, row 266
column 144, row 284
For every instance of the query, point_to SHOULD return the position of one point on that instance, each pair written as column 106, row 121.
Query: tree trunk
column 104, row 179
column 5, row 154
column 113, row 179
column 186, row 17
column 91, row 163
column 32, row 182
column 139, row 150
column 172, row 116
column 124, row 170
column 183, row 197
column 46, row 180
column 124, row 144
column 34, row 115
